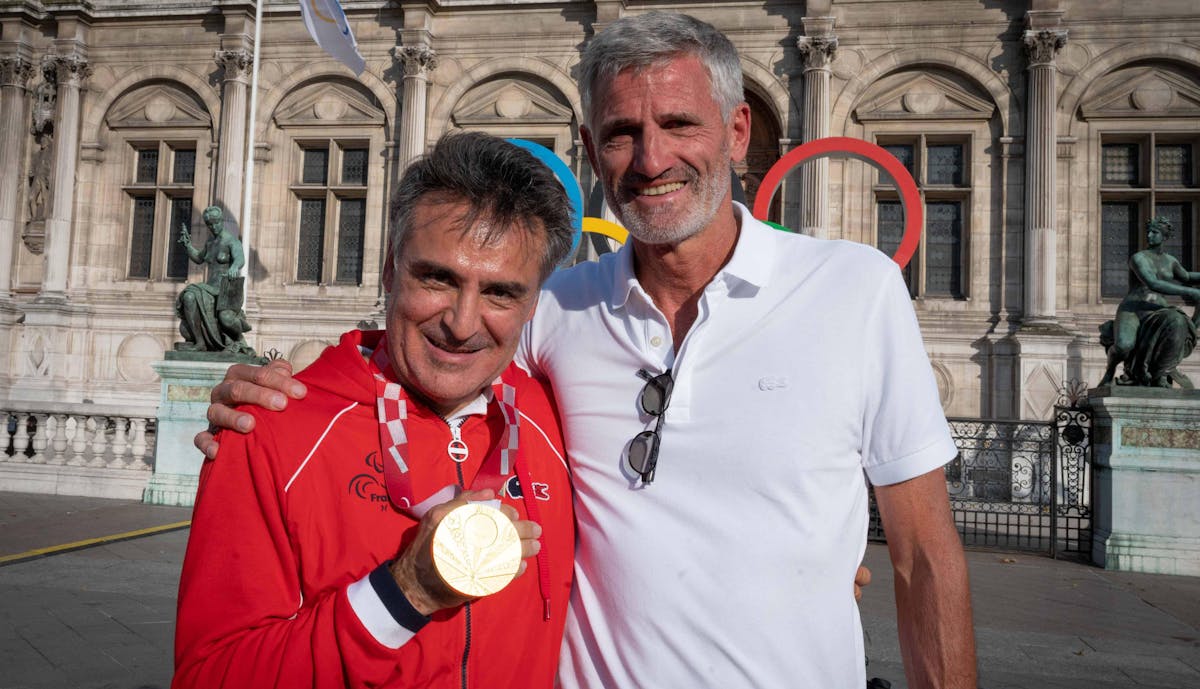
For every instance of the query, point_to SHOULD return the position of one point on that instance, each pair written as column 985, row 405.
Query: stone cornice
column 1042, row 46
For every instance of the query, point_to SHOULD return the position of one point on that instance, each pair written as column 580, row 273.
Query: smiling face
column 662, row 149
column 457, row 303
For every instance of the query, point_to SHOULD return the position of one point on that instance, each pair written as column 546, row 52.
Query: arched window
column 937, row 124
column 1146, row 164
column 332, row 143
column 164, row 134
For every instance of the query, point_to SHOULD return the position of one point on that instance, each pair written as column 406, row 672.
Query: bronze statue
column 210, row 312
column 1148, row 335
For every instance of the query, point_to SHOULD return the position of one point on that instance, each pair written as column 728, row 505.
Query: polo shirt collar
column 752, row 261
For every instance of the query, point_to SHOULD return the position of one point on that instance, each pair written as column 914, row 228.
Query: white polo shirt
column 733, row 569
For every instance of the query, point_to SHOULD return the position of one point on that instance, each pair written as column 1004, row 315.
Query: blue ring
column 570, row 184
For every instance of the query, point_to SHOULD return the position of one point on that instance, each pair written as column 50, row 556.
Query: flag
column 326, row 23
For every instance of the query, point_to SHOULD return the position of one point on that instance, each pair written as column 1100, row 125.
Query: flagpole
column 248, row 191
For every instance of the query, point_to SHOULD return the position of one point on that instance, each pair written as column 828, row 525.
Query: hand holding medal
column 476, row 549
column 464, row 549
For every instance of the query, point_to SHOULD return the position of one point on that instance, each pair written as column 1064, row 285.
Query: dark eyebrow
column 429, row 267
column 679, row 116
column 512, row 287
column 516, row 289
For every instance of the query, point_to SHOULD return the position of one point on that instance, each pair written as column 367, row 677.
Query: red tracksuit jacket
column 289, row 516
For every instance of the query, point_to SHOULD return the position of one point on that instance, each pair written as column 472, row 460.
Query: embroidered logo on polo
column 541, row 491
column 370, row 487
column 768, row 383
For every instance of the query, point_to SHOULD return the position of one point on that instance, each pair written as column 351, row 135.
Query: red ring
column 910, row 197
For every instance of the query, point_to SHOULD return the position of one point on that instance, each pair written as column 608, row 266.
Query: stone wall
column 1020, row 320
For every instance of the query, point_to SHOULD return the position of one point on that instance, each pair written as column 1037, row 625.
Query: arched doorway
column 762, row 154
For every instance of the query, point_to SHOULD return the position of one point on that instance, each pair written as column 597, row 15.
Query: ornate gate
column 1021, row 485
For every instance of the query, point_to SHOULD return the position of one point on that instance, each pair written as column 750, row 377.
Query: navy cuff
column 394, row 600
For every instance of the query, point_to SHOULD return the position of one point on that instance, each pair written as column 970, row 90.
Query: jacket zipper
column 455, row 426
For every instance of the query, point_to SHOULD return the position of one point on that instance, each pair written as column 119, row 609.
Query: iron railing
column 1020, row 485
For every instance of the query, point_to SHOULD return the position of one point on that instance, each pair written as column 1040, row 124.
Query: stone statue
column 39, row 177
column 210, row 312
column 45, row 101
column 1148, row 335
column 38, row 193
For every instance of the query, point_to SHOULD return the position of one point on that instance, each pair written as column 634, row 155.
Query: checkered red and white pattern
column 392, row 409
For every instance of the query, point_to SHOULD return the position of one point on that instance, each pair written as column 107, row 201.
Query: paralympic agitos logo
column 370, row 486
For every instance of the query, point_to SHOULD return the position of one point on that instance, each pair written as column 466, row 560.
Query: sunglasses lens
column 641, row 449
column 652, row 399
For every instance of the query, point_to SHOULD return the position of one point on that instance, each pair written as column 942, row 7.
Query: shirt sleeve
column 242, row 619
column 905, row 433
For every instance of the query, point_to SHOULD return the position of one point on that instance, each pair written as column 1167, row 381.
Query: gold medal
column 476, row 549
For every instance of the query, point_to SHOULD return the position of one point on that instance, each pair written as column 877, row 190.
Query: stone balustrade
column 71, row 452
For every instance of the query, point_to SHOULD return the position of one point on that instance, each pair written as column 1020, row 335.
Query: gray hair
column 648, row 39
column 503, row 183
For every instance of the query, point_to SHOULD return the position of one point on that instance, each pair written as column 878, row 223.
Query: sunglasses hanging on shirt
column 654, row 398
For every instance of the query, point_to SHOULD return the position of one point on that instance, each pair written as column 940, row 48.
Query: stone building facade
column 1042, row 134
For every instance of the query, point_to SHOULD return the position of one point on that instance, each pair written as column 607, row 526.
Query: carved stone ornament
column 818, row 51
column 69, row 70
column 15, row 71
column 45, row 101
column 1042, row 46
column 236, row 63
column 416, row 60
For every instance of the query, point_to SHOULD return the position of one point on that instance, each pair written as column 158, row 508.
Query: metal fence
column 1021, row 485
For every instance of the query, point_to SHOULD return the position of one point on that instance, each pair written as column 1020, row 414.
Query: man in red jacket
column 309, row 562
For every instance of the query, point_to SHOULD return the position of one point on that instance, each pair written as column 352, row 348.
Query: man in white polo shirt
column 723, row 388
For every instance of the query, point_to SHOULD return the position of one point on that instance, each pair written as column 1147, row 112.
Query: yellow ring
column 606, row 228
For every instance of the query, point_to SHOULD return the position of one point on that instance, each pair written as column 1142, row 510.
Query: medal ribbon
column 392, row 410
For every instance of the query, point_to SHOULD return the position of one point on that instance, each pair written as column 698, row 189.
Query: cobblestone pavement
column 103, row 616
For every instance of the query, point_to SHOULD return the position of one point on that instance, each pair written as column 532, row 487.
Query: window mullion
column 329, row 255
column 920, row 255
column 162, row 213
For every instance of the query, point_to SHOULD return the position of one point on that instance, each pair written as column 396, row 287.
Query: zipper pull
column 457, row 449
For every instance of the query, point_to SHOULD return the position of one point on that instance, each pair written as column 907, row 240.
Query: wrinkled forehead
column 640, row 70
column 477, row 224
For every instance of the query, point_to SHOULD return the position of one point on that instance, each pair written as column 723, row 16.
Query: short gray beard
column 712, row 190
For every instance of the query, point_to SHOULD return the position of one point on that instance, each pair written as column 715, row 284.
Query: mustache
column 446, row 341
column 684, row 173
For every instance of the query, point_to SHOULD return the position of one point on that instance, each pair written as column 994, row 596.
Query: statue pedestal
column 1147, row 479
column 181, row 415
column 1041, row 363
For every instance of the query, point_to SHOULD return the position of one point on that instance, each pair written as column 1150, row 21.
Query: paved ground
column 103, row 617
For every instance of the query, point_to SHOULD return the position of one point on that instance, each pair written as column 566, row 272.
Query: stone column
column 1041, row 143
column 69, row 71
column 817, row 50
column 417, row 61
column 231, row 152
column 14, row 75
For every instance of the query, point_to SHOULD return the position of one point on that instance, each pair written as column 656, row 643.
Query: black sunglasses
column 643, row 449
